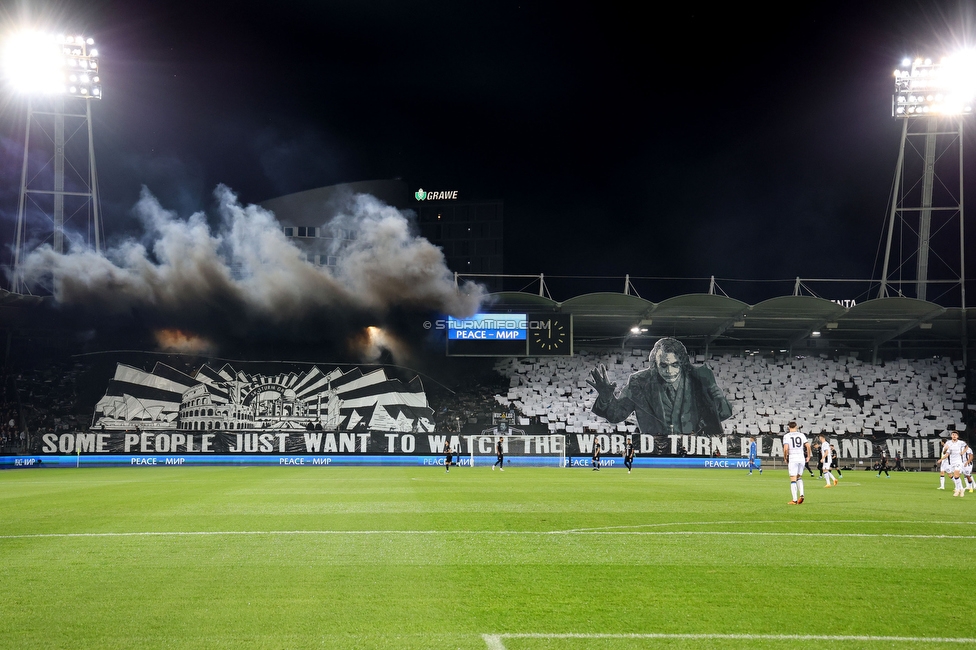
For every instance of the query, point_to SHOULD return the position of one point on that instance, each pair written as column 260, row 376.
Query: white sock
column 799, row 485
column 957, row 483
column 793, row 489
column 830, row 478
column 942, row 481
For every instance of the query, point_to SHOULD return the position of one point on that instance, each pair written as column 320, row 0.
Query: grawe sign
column 442, row 195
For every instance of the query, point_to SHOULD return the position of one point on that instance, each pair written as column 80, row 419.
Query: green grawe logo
column 420, row 194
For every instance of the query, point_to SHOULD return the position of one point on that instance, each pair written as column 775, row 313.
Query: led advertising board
column 505, row 335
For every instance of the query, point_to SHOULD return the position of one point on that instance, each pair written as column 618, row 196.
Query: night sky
column 692, row 141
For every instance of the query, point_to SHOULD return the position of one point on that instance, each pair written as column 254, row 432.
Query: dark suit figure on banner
column 671, row 396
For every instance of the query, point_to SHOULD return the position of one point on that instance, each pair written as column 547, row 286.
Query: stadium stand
column 838, row 396
column 39, row 400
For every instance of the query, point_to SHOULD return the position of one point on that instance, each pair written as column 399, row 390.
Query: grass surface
column 416, row 558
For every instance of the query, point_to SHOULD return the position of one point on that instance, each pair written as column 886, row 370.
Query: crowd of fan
column 837, row 396
column 470, row 407
column 38, row 401
column 845, row 395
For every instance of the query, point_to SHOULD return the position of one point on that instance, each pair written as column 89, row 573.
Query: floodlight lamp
column 33, row 63
column 906, row 62
column 92, row 52
column 90, row 41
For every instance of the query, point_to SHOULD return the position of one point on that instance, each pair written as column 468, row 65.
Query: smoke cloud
column 244, row 275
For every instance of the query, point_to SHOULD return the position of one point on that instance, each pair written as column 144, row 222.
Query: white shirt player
column 796, row 441
column 825, row 455
column 944, row 465
column 954, row 451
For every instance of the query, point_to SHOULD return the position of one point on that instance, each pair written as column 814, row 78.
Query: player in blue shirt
column 752, row 456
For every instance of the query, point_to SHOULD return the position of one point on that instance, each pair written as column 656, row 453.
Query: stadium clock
column 553, row 339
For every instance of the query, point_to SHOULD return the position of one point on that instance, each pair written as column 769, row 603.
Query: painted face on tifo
column 669, row 367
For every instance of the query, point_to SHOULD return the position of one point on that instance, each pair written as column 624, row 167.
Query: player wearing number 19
column 796, row 453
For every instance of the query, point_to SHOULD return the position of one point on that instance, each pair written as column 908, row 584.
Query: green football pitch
column 258, row 557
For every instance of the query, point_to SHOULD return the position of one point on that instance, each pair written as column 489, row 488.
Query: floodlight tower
column 52, row 70
column 932, row 100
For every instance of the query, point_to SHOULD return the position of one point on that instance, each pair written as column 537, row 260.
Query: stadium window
column 289, row 232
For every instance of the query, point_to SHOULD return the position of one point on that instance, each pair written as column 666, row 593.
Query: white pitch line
column 635, row 533
column 496, row 641
column 767, row 522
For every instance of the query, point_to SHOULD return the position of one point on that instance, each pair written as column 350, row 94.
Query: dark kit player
column 500, row 451
column 629, row 452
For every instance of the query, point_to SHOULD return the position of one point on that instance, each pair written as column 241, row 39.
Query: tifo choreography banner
column 226, row 399
column 426, row 444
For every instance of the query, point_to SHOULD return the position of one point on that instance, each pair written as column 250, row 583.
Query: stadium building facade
column 470, row 232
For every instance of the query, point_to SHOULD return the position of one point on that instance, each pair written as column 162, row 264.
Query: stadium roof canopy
column 798, row 324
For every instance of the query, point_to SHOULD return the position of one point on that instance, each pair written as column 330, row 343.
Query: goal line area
column 519, row 450
column 497, row 641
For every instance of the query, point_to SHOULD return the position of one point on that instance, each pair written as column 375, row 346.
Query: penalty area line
column 497, row 641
